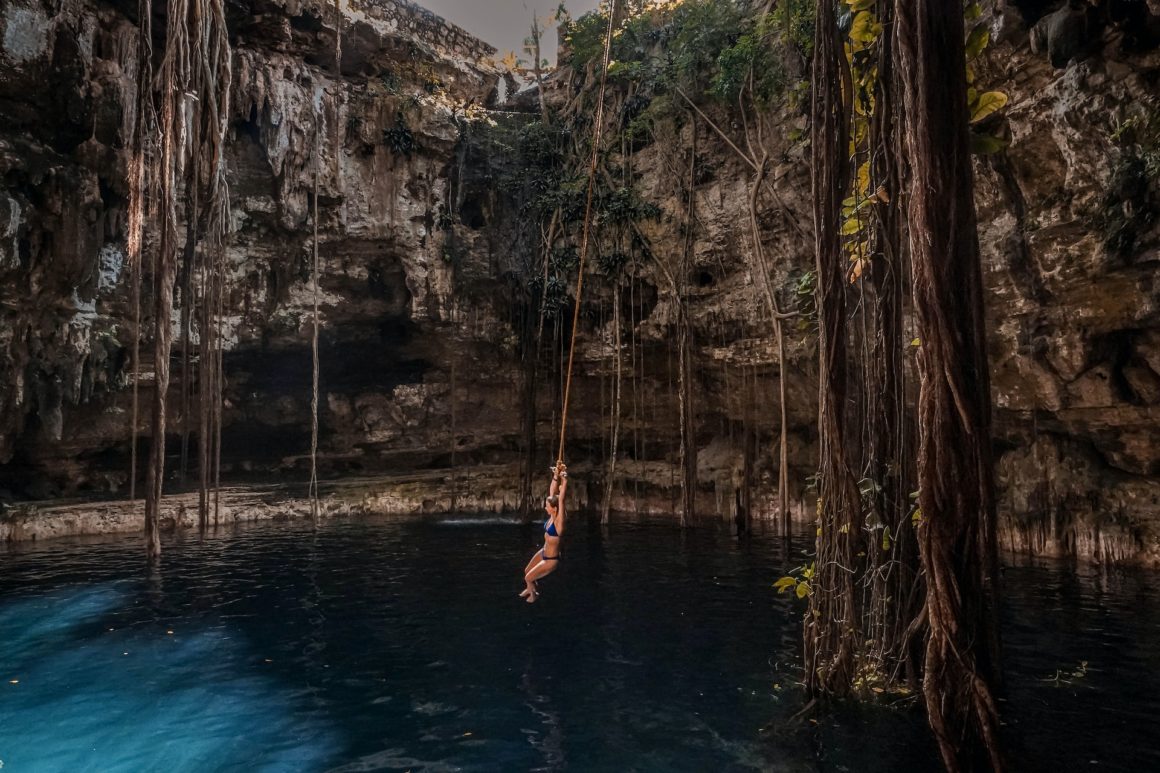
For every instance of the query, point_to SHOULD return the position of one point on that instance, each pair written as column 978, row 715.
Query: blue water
column 387, row 645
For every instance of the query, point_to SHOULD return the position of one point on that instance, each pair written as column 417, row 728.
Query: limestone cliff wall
column 392, row 116
column 421, row 250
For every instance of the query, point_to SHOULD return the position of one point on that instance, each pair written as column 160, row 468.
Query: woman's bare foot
column 533, row 596
column 528, row 591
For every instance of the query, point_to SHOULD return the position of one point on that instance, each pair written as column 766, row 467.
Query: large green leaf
column 989, row 102
column 977, row 41
column 862, row 179
column 987, row 144
column 865, row 28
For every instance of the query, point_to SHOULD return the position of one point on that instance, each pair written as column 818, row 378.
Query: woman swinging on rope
column 545, row 560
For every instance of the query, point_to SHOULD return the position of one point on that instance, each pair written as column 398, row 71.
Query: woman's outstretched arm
column 563, row 494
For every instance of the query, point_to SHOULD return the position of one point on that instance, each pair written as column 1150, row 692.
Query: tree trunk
column 957, row 536
column 831, row 632
column 896, row 585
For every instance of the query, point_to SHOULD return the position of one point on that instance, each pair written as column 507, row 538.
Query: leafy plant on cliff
column 399, row 138
column 985, row 106
column 759, row 57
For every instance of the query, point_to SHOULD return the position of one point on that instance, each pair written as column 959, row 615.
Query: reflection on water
column 381, row 645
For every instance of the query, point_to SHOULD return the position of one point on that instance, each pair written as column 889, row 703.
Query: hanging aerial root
column 598, row 132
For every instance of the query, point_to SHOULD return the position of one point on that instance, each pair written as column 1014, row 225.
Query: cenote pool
column 389, row 645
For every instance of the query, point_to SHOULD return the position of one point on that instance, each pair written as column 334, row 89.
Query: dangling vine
column 144, row 129
column 313, row 488
column 190, row 93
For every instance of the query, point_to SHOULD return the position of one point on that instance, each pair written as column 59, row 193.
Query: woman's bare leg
column 536, row 558
column 529, row 585
column 538, row 572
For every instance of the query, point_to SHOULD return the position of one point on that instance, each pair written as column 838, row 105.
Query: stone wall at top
column 416, row 21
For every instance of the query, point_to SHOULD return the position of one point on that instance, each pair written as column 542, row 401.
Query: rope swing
column 596, row 137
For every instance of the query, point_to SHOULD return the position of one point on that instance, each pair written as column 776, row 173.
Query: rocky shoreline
column 489, row 490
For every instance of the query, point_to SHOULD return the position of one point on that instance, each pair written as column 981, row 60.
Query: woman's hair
column 553, row 500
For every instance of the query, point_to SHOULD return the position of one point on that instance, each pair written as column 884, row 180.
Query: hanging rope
column 596, row 136
column 313, row 489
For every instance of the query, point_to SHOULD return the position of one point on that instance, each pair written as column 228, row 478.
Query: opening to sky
column 505, row 23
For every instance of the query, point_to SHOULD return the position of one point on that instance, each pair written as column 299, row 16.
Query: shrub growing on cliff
column 698, row 33
column 623, row 206
column 702, row 47
column 753, row 53
column 399, row 138
column 678, row 43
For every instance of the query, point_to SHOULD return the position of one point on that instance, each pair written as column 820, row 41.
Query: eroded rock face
column 389, row 317
column 1069, row 222
column 421, row 260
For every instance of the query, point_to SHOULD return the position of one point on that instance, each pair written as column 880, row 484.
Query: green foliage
column 399, row 138
column 984, row 107
column 565, row 259
column 800, row 25
column 611, row 264
column 754, row 54
column 1139, row 136
column 658, row 48
column 540, row 145
column 660, row 109
column 554, row 295
column 434, row 85
column 798, row 581
column 391, row 82
column 713, row 48
column 1130, row 206
column 538, row 178
column 547, row 180
column 700, row 30
column 585, row 36
column 623, row 206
